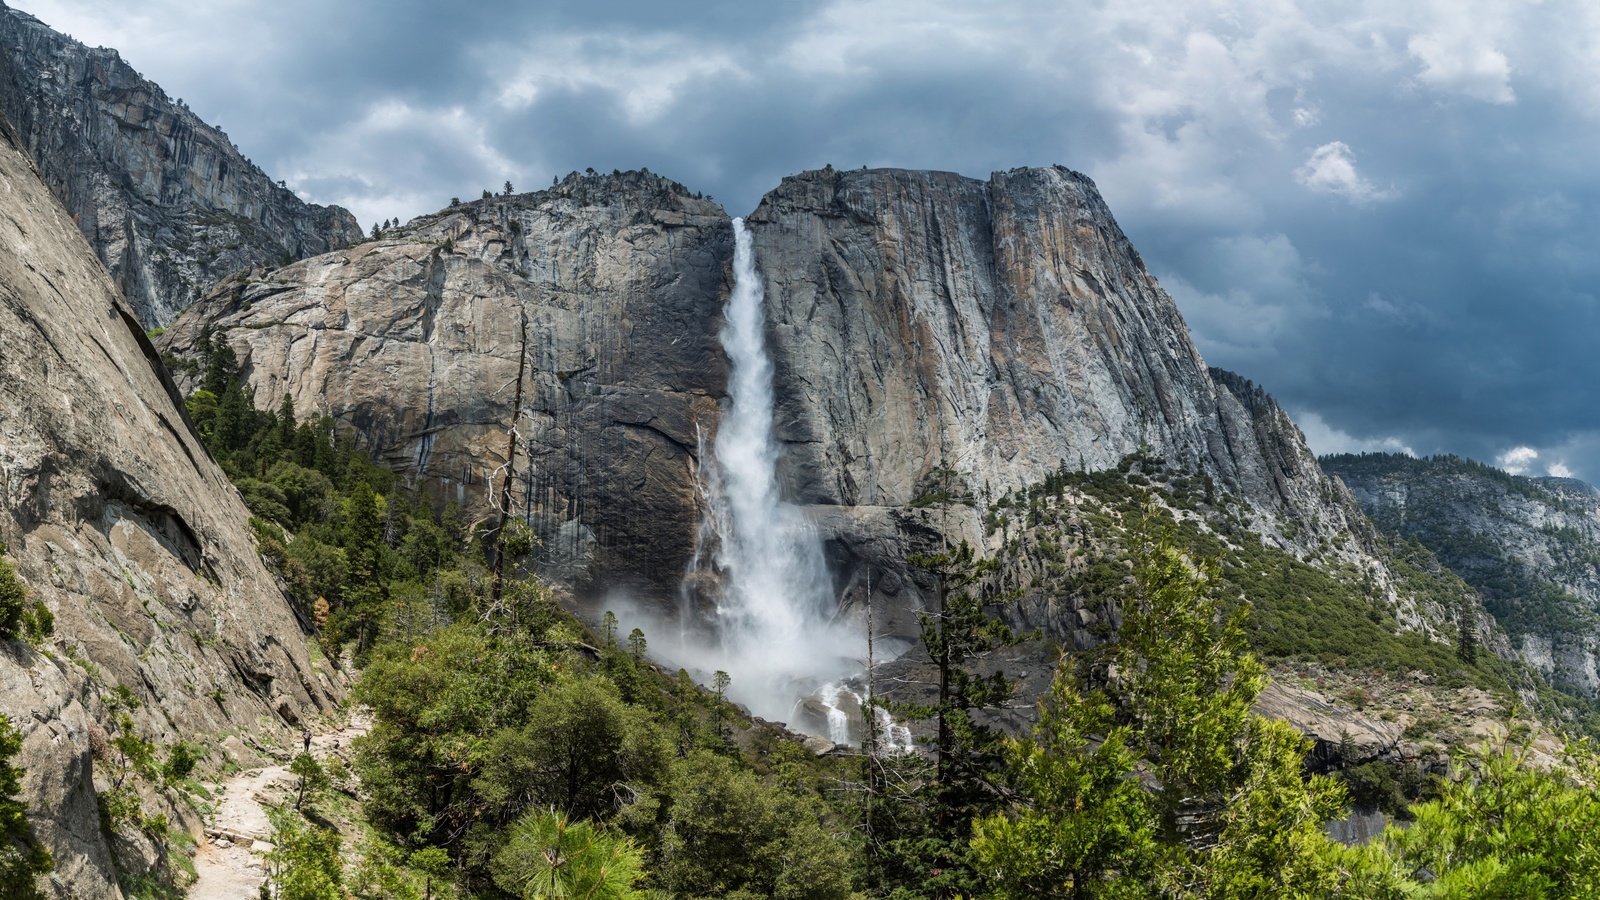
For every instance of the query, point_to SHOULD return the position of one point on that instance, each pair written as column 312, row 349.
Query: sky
column 1383, row 212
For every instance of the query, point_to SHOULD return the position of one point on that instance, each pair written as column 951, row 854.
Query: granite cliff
column 596, row 301
column 169, row 205
column 1530, row 545
column 923, row 321
column 938, row 341
column 942, row 336
column 117, row 520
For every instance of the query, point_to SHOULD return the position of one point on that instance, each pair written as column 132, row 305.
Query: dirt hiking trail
column 229, row 863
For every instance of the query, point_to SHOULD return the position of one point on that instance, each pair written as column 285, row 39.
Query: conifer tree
column 22, row 858
column 1150, row 775
column 924, row 832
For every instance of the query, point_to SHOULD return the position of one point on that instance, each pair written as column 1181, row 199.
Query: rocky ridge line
column 169, row 205
column 614, row 283
column 1530, row 545
column 934, row 336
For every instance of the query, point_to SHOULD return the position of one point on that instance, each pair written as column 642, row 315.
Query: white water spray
column 843, row 706
column 759, row 561
column 777, row 581
column 775, row 602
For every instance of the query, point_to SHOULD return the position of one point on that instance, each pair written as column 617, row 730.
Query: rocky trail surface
column 230, row 862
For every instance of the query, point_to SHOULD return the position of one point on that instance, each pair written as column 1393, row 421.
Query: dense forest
column 517, row 753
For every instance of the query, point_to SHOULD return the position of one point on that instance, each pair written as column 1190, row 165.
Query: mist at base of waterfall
column 757, row 600
column 773, row 683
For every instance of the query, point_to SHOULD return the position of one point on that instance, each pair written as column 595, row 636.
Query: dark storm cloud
column 1385, row 213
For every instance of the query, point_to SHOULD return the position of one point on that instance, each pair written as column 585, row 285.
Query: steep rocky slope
column 938, row 341
column 1530, row 545
column 167, row 202
column 118, row 521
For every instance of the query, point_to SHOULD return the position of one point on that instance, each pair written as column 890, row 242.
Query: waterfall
column 842, row 706
column 774, row 601
column 777, row 583
column 758, row 582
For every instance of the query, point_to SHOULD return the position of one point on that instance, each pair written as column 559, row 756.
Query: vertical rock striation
column 931, row 328
column 414, row 341
column 120, row 523
column 930, row 333
column 167, row 202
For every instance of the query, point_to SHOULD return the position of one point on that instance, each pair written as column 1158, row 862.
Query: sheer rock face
column 919, row 323
column 924, row 321
column 167, row 202
column 1530, row 545
column 932, row 331
column 415, row 340
column 117, row 520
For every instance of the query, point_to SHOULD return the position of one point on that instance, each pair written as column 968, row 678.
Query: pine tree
column 1150, row 775
column 922, row 835
column 221, row 364
column 956, row 635
column 1467, row 644
column 22, row 858
column 286, row 423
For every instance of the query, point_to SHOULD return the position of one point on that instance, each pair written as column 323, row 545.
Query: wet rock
column 819, row 746
column 1358, row 827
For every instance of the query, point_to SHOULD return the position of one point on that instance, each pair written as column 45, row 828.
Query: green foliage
column 1518, row 597
column 386, row 872
column 480, row 726
column 313, row 778
column 924, row 835
column 182, row 758
column 22, row 858
column 433, row 863
column 1087, row 829
column 549, row 858
column 34, row 622
column 437, row 705
column 581, row 751
column 1500, row 828
column 1300, row 610
column 306, row 858
column 38, row 623
column 505, row 757
column 13, row 599
column 729, row 832
column 1391, row 788
column 1149, row 775
column 129, row 758
column 329, row 522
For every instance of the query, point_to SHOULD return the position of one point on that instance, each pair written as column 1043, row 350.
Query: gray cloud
column 1383, row 212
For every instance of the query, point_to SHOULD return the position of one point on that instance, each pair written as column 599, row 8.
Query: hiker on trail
column 307, row 737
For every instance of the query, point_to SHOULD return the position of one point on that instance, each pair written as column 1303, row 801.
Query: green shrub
column 22, row 858
column 13, row 598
